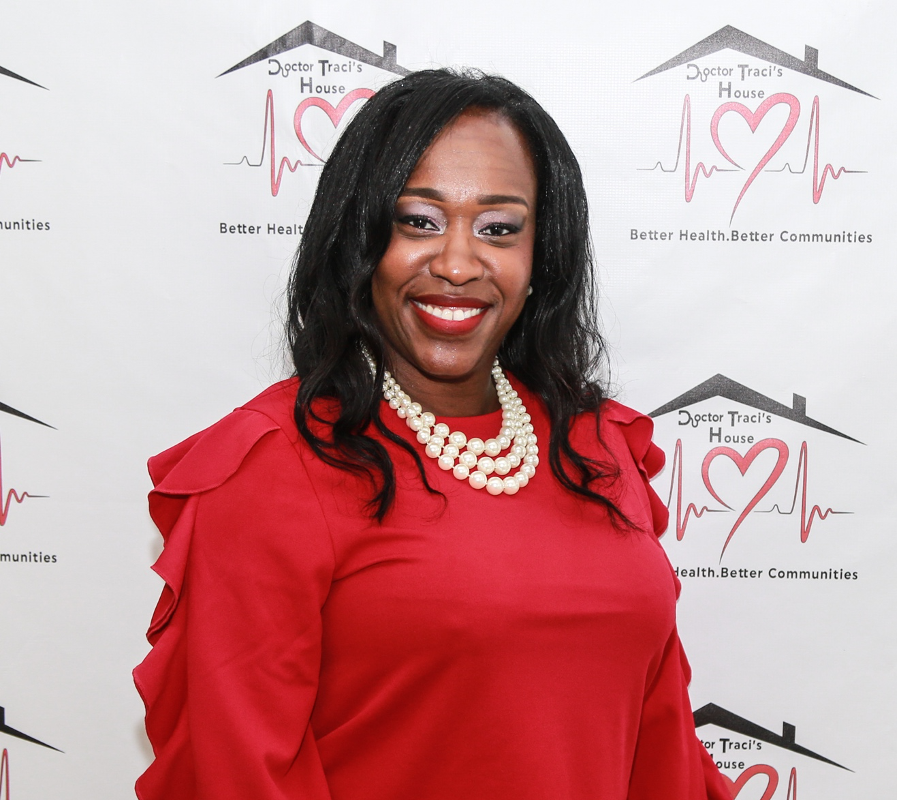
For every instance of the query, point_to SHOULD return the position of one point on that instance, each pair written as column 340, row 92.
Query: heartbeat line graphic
column 800, row 485
column 268, row 145
column 691, row 179
column 9, row 163
column 683, row 147
column 12, row 494
column 4, row 774
column 684, row 513
column 828, row 169
column 691, row 508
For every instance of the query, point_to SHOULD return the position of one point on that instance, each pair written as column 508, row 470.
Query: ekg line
column 12, row 494
column 800, row 485
column 691, row 508
column 691, row 179
column 828, row 169
column 268, row 145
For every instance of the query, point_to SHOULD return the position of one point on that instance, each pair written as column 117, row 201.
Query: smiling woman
column 454, row 277
column 374, row 597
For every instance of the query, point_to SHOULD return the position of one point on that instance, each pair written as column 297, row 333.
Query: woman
column 373, row 597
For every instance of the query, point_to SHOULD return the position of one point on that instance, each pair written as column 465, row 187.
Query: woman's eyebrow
column 483, row 200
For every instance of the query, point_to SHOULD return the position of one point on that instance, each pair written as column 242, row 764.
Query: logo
column 9, row 158
column 10, row 496
column 4, row 755
column 755, row 124
column 322, row 79
column 746, row 476
column 742, row 747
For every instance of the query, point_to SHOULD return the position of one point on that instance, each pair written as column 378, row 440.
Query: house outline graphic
column 5, row 409
column 309, row 33
column 4, row 728
column 10, row 74
column 721, row 386
column 729, row 38
column 712, row 714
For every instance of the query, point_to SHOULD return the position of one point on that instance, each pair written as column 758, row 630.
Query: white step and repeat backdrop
column 156, row 167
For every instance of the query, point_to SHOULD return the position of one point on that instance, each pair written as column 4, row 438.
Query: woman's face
column 455, row 274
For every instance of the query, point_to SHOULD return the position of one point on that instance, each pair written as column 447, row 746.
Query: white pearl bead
column 477, row 479
column 524, row 418
column 502, row 466
column 446, row 462
column 504, row 442
column 531, row 438
column 433, row 450
column 529, row 470
column 518, row 450
column 476, row 446
column 393, row 403
column 510, row 485
column 457, row 438
column 450, row 450
column 486, row 465
column 507, row 433
column 401, row 412
column 530, row 459
column 423, row 435
column 495, row 486
column 493, row 448
column 461, row 472
column 532, row 449
column 436, row 440
column 428, row 419
column 514, row 461
column 414, row 423
column 404, row 400
column 415, row 408
column 522, row 479
column 441, row 429
column 528, row 428
column 468, row 459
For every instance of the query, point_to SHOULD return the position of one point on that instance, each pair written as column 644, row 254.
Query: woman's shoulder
column 208, row 458
column 622, row 426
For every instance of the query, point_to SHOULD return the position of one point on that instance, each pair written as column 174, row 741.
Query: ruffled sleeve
column 231, row 679
column 670, row 761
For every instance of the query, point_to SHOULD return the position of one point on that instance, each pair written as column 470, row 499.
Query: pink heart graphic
column 335, row 114
column 743, row 462
column 772, row 780
column 753, row 119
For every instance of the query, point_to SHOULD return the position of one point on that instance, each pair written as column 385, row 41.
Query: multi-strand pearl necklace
column 474, row 460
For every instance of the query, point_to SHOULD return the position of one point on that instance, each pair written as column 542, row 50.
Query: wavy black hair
column 554, row 348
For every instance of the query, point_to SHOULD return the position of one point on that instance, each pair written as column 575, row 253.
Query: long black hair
column 554, row 348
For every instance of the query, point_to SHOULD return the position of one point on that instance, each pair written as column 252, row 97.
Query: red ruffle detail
column 637, row 430
column 202, row 462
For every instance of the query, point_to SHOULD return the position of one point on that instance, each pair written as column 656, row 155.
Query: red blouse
column 478, row 647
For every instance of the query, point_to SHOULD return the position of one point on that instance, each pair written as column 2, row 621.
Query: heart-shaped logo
column 753, row 119
column 335, row 114
column 772, row 780
column 743, row 462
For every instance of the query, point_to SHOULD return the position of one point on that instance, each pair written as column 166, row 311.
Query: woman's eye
column 419, row 222
column 499, row 229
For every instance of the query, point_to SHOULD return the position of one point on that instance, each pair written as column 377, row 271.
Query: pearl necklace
column 474, row 460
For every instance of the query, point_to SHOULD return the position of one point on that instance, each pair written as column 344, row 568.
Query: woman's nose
column 456, row 260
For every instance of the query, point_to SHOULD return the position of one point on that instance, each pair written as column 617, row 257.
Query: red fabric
column 510, row 648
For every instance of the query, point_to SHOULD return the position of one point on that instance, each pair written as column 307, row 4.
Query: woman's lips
column 450, row 315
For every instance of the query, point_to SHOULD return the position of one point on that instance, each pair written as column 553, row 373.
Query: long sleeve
column 232, row 677
column 670, row 761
